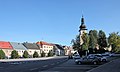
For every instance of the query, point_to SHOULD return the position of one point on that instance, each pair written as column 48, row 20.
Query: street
column 70, row 66
column 57, row 64
column 31, row 66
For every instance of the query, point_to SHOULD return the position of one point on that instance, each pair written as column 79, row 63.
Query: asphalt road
column 31, row 66
column 61, row 64
column 70, row 66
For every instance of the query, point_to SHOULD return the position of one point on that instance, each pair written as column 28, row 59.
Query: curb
column 4, row 61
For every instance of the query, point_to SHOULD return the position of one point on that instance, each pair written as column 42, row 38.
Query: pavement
column 112, row 66
column 30, row 59
column 70, row 66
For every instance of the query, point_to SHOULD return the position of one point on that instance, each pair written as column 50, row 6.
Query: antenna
column 82, row 13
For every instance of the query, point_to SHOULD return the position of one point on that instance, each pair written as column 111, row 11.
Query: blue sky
column 55, row 21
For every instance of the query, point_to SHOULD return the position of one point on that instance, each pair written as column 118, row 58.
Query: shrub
column 2, row 54
column 50, row 53
column 43, row 54
column 25, row 54
column 35, row 55
column 14, row 54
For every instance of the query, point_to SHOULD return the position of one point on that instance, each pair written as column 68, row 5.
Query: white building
column 46, row 47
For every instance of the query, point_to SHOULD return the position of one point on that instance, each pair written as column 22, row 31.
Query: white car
column 100, row 56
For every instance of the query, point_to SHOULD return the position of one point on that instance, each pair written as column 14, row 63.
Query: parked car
column 76, row 56
column 88, row 60
column 100, row 57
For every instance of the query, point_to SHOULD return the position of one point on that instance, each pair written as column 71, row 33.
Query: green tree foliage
column 25, row 54
column 85, row 44
column 114, row 41
column 76, row 43
column 93, row 37
column 2, row 54
column 50, row 54
column 43, row 54
column 35, row 55
column 14, row 54
column 81, row 48
column 102, row 41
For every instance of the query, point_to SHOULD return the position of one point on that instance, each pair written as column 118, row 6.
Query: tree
column 25, row 54
column 102, row 41
column 93, row 37
column 114, row 41
column 76, row 45
column 14, row 54
column 43, row 54
column 85, row 44
column 50, row 53
column 82, row 49
column 2, row 54
column 35, row 55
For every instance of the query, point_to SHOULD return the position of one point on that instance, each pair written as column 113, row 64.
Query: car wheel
column 78, row 62
column 94, row 62
column 104, row 60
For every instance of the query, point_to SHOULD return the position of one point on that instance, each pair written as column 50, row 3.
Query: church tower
column 82, row 29
column 82, row 26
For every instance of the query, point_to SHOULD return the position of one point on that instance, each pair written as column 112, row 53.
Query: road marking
column 33, row 69
column 52, row 64
column 45, row 65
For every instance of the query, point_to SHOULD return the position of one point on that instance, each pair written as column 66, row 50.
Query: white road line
column 45, row 65
column 33, row 69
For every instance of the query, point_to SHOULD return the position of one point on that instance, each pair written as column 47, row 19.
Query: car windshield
column 98, row 55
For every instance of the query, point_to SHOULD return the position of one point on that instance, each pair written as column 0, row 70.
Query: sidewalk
column 30, row 59
column 113, row 66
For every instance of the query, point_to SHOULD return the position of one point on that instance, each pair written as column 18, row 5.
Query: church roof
column 82, row 26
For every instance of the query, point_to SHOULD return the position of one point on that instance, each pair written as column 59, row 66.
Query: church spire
column 82, row 20
column 82, row 26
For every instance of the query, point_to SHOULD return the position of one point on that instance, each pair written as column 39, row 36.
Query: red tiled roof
column 5, row 45
column 44, row 43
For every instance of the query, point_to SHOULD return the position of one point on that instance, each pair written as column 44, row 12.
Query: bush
column 25, row 54
column 14, row 54
column 50, row 53
column 35, row 55
column 2, row 54
column 43, row 54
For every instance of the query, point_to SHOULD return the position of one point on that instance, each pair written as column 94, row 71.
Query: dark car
column 88, row 60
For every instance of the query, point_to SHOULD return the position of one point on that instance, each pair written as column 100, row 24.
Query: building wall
column 31, row 51
column 19, row 48
column 6, row 47
column 20, row 52
column 47, row 48
column 7, row 52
